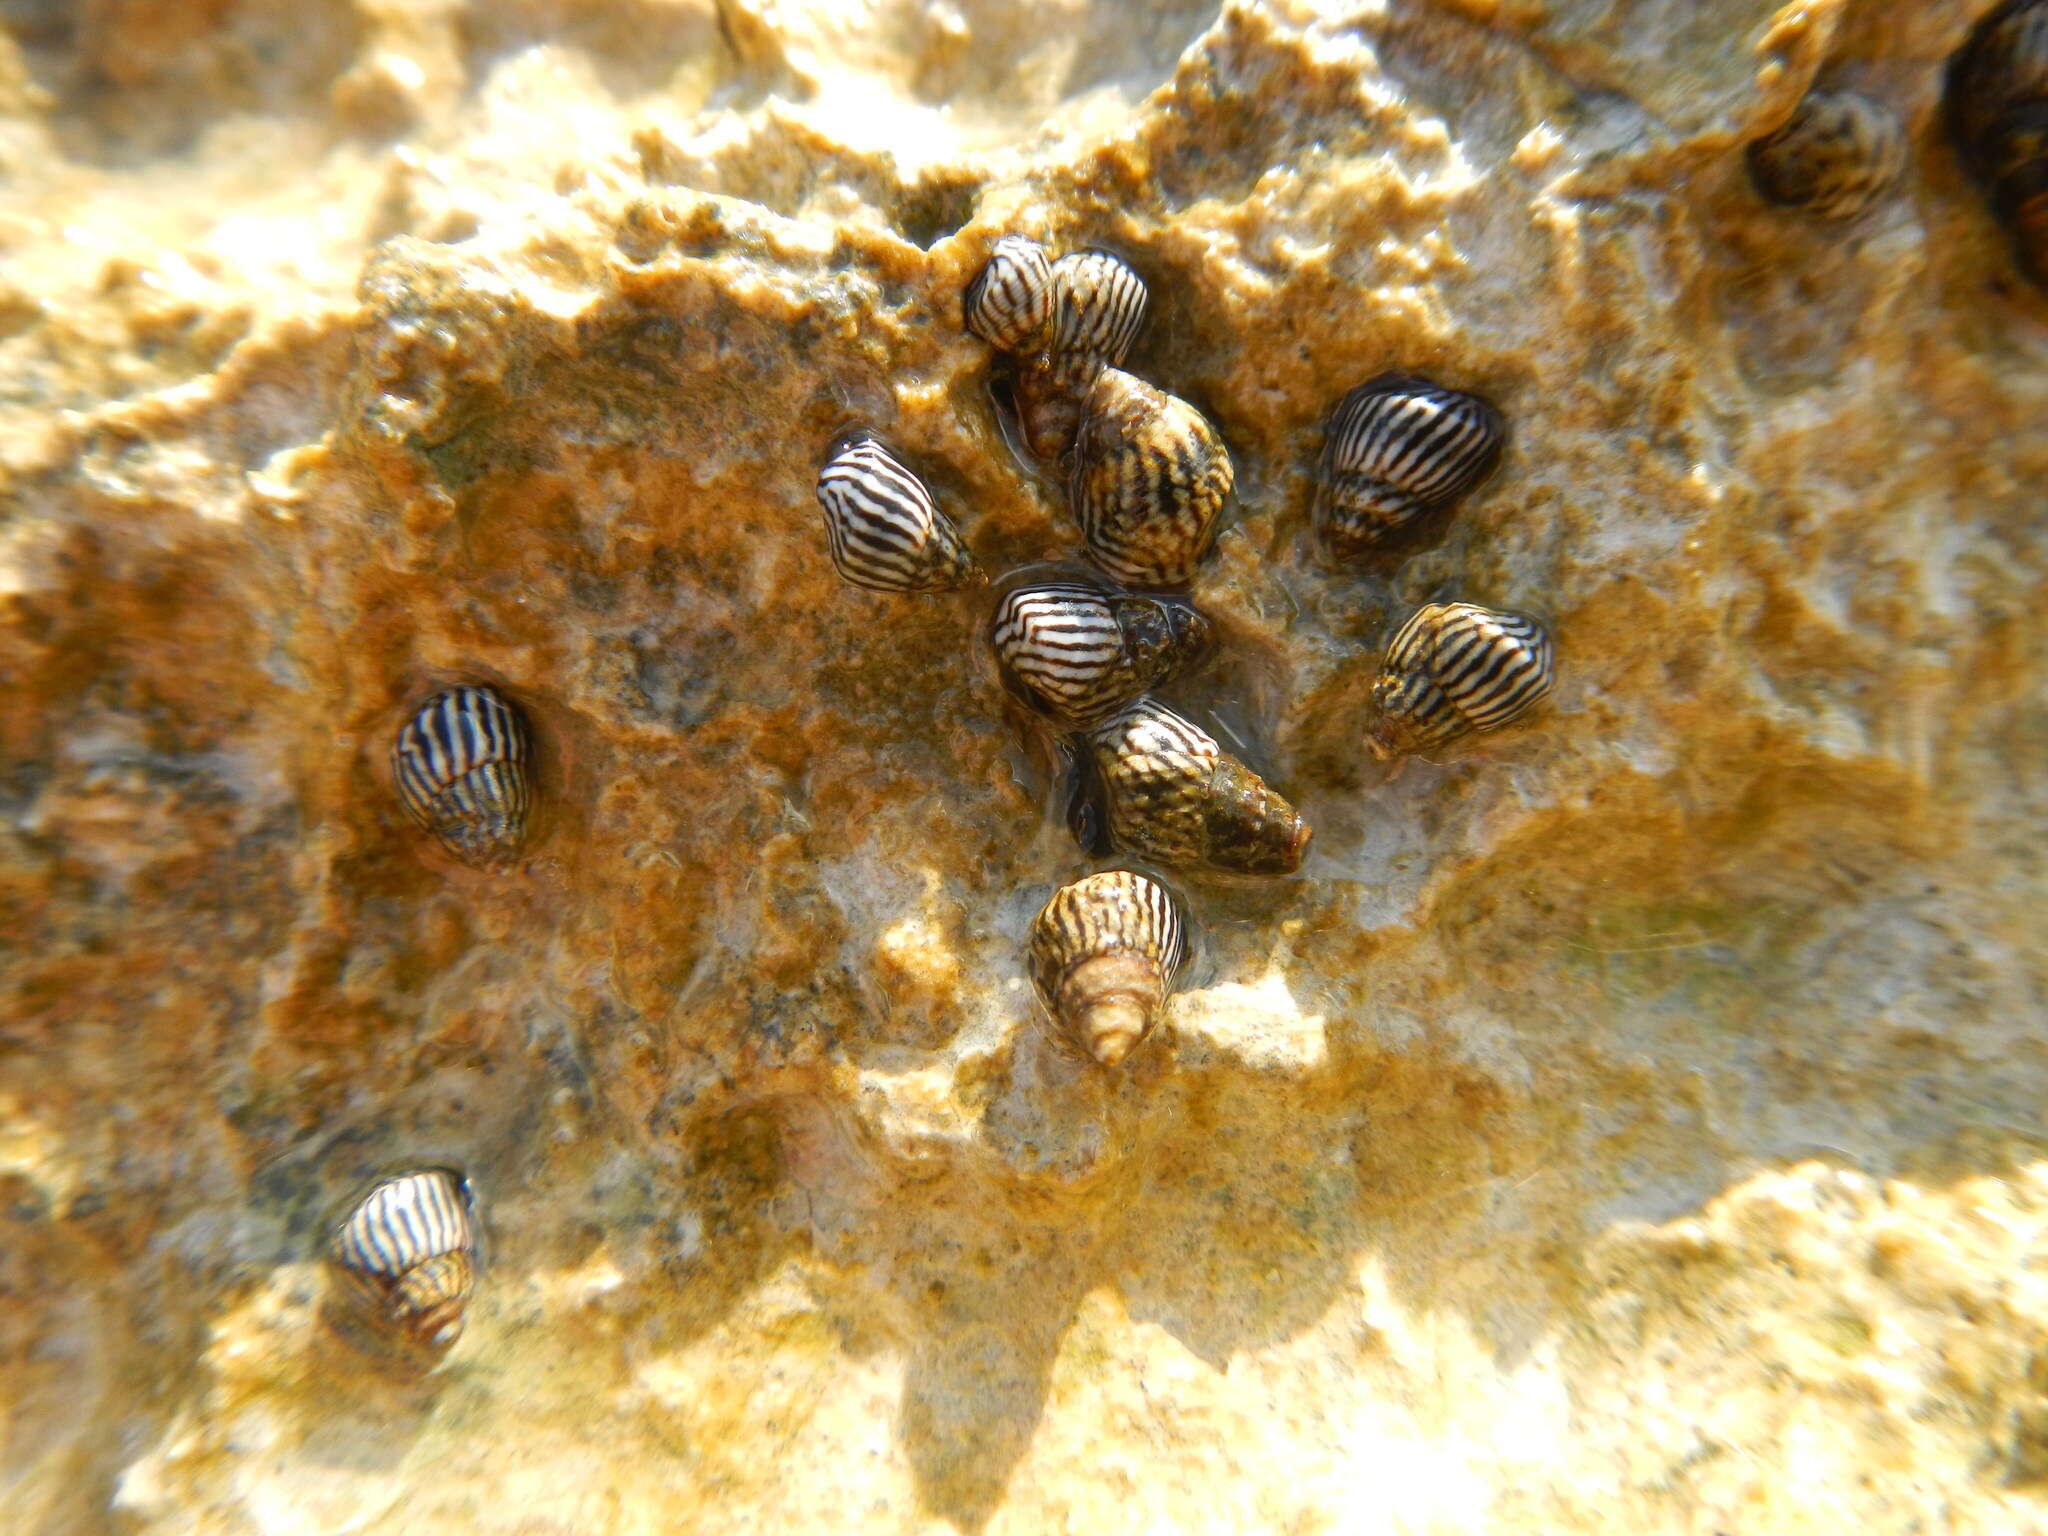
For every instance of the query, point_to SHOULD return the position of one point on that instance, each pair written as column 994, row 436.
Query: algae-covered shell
column 885, row 531
column 463, row 767
column 1452, row 669
column 1150, row 478
column 1104, row 953
column 1169, row 793
column 1996, row 105
column 1078, row 654
column 406, row 1257
column 1009, row 304
column 1833, row 156
column 1397, row 449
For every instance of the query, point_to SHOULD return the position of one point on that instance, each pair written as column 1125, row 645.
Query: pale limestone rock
column 1629, row 1124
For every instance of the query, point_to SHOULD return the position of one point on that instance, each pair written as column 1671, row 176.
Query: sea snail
column 1996, row 103
column 1159, row 786
column 405, row 1259
column 463, row 766
column 1063, row 321
column 1832, row 157
column 1150, row 478
column 885, row 531
column 1104, row 953
column 1077, row 654
column 1397, row 449
column 1452, row 669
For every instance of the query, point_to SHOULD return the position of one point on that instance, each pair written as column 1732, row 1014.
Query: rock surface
column 1631, row 1123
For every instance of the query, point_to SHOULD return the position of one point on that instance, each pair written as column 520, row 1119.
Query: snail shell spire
column 1104, row 953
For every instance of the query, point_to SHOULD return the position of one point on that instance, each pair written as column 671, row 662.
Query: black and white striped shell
column 1165, row 791
column 1098, row 308
column 1452, row 669
column 885, row 531
column 463, row 765
column 1104, row 953
column 1150, row 478
column 1832, row 157
column 1996, row 105
column 1009, row 304
column 1078, row 654
column 1397, row 449
column 405, row 1258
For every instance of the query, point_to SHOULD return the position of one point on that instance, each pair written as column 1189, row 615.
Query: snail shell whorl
column 885, row 531
column 1454, row 668
column 1168, row 792
column 461, row 767
column 1104, row 952
column 1010, row 302
column 1079, row 654
column 407, row 1257
column 1398, row 448
column 1832, row 157
column 1996, row 104
column 1150, row 478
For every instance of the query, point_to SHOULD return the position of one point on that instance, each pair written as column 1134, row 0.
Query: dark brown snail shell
column 1455, row 668
column 1104, row 953
column 1164, row 790
column 1996, row 106
column 1832, row 157
column 1150, row 478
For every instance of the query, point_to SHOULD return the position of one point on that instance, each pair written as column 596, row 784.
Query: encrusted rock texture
column 1628, row 1123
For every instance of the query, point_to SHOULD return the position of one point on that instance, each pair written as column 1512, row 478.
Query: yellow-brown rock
column 1633, row 1125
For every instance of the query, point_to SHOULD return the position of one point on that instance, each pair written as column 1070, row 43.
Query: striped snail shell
column 462, row 764
column 885, row 531
column 1009, row 304
column 1079, row 654
column 406, row 1257
column 1996, row 104
column 1104, row 952
column 1150, row 478
column 1397, row 449
column 1167, row 792
column 1833, row 156
column 1098, row 307
column 1454, row 668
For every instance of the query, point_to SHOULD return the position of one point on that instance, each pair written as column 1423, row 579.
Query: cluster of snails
column 1839, row 149
column 1148, row 478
